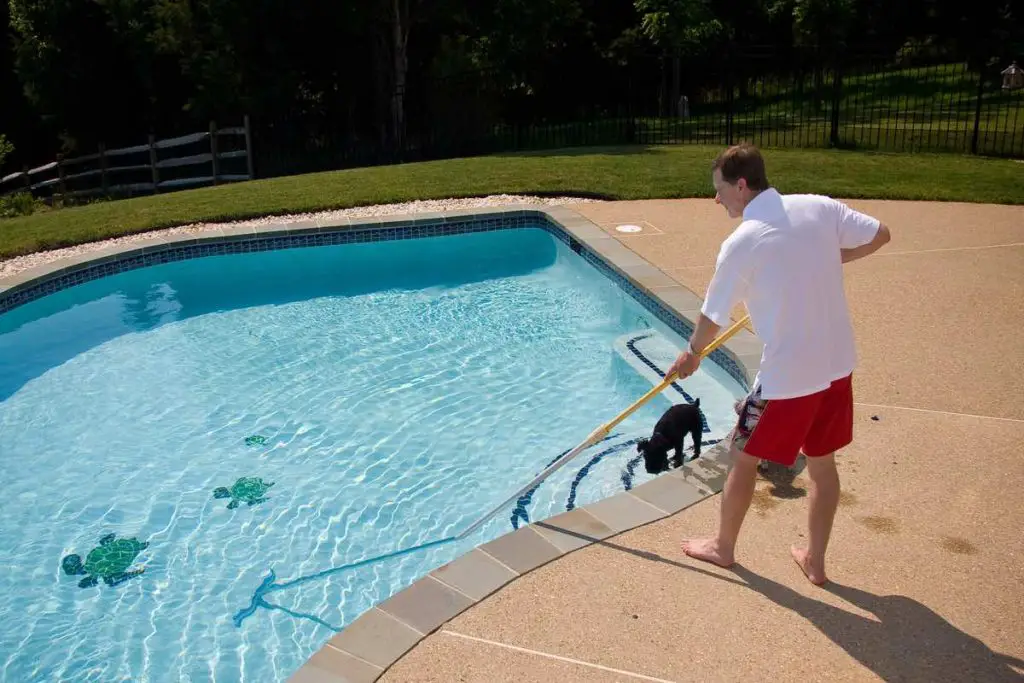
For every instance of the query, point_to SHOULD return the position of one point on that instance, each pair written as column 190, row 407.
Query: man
column 784, row 262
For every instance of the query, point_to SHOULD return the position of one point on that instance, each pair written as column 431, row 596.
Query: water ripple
column 393, row 420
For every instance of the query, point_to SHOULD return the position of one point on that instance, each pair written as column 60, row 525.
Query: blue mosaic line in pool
column 570, row 504
column 631, row 345
column 354, row 233
column 519, row 515
column 521, row 512
column 629, row 472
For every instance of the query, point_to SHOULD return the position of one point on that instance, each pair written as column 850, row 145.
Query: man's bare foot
column 815, row 575
column 707, row 549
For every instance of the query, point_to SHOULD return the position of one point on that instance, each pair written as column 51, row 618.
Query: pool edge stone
column 151, row 244
column 475, row 574
column 668, row 493
column 235, row 232
column 426, row 604
column 376, row 637
column 331, row 665
column 572, row 530
column 624, row 512
column 522, row 550
column 332, row 223
column 284, row 229
column 429, row 218
column 651, row 278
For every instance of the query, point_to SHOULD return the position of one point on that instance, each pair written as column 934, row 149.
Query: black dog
column 674, row 425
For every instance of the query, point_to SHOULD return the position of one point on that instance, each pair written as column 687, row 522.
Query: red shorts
column 778, row 429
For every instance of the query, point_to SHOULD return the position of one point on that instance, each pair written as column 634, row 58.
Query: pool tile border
column 367, row 647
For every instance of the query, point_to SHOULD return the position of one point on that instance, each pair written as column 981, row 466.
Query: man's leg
column 736, row 497
column 771, row 430
column 832, row 430
column 824, row 502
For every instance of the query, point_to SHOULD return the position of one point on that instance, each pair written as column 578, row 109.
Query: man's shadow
column 908, row 642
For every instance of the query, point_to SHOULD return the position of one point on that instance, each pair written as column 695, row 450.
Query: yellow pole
column 602, row 431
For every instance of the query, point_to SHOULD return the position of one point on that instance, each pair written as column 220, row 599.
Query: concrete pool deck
column 926, row 556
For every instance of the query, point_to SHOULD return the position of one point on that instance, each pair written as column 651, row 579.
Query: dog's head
column 655, row 452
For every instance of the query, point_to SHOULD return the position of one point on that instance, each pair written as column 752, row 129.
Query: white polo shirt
column 783, row 262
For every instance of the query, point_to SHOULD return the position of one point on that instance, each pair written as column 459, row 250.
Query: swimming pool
column 391, row 391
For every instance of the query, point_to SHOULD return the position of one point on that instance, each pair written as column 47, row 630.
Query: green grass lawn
column 920, row 109
column 617, row 173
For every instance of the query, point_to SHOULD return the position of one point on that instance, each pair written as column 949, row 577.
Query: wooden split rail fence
column 100, row 174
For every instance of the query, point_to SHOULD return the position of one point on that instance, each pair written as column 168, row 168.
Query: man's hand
column 686, row 364
column 689, row 360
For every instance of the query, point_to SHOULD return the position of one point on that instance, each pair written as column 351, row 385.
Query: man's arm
column 727, row 288
column 689, row 360
column 859, row 234
column 704, row 334
column 880, row 239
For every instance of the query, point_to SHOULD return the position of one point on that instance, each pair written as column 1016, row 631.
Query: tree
column 5, row 149
column 74, row 65
column 681, row 28
column 821, row 23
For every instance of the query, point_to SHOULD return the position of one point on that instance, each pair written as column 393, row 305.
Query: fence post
column 62, row 185
column 248, row 148
column 728, row 95
column 104, row 181
column 28, row 179
column 837, row 87
column 977, row 107
column 152, row 163
column 213, row 150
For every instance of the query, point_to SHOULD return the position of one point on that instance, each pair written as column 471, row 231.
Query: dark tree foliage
column 411, row 74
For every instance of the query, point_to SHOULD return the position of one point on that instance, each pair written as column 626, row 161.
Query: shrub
column 17, row 204
column 5, row 149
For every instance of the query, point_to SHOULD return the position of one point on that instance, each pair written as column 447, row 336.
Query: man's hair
column 742, row 161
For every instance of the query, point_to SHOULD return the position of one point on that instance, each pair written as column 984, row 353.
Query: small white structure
column 1013, row 77
column 684, row 106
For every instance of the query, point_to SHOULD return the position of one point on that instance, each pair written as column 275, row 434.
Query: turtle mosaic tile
column 110, row 561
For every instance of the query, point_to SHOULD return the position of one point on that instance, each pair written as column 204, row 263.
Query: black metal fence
column 912, row 101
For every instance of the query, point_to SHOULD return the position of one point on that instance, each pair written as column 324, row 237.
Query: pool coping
column 366, row 648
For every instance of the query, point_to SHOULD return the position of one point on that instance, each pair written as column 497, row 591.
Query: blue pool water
column 402, row 389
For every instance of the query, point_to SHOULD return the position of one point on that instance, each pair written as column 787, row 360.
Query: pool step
column 650, row 353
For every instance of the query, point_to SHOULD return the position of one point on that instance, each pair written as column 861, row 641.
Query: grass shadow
column 584, row 150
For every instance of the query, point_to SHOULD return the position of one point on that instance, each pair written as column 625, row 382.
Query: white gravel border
column 19, row 263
